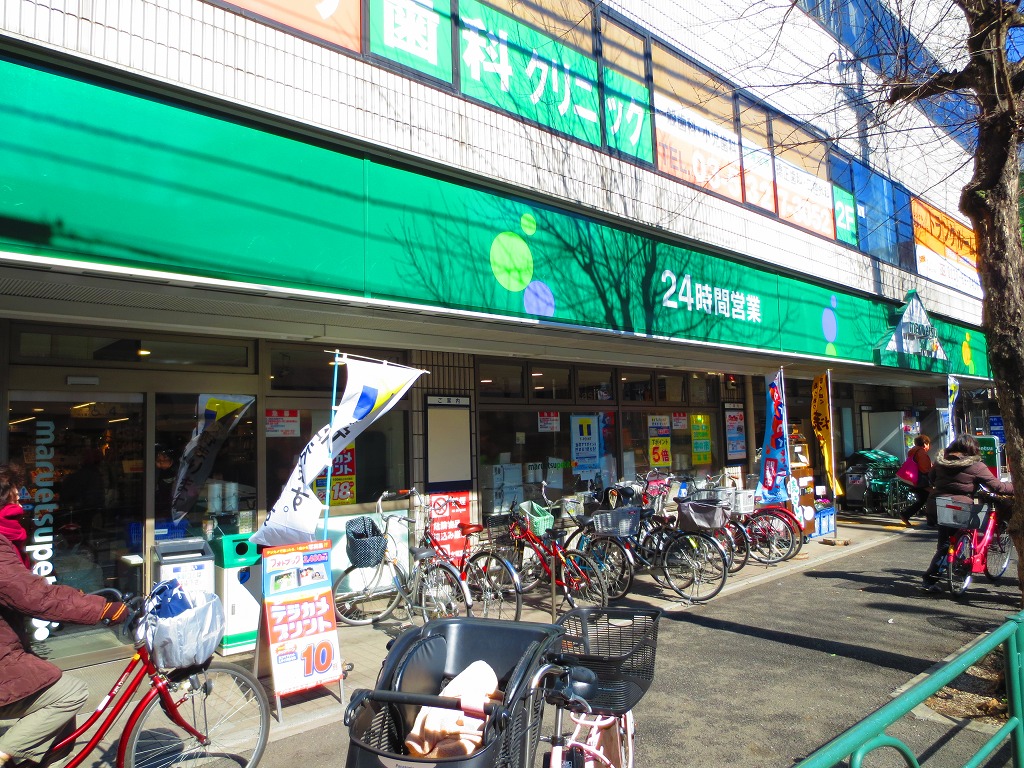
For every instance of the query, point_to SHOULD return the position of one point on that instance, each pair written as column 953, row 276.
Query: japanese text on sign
column 713, row 300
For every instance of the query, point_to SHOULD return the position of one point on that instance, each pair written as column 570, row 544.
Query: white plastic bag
column 189, row 638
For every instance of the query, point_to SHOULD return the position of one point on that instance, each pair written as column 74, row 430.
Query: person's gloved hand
column 114, row 613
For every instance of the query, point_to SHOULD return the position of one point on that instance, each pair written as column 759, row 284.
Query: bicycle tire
column 696, row 567
column 226, row 703
column 527, row 564
column 740, row 545
column 771, row 537
column 795, row 525
column 438, row 593
column 613, row 561
column 898, row 498
column 367, row 595
column 997, row 558
column 958, row 570
column 582, row 582
column 724, row 538
column 652, row 549
column 494, row 586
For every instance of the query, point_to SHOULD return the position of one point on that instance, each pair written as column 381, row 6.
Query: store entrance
column 83, row 496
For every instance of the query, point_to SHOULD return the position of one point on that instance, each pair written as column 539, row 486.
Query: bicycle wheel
column 493, row 586
column 898, row 498
column 582, row 582
column 438, row 594
column 771, row 538
column 958, row 571
column 365, row 595
column 613, row 562
column 225, row 703
column 724, row 539
column 652, row 549
column 527, row 564
column 740, row 545
column 998, row 555
column 696, row 567
column 795, row 525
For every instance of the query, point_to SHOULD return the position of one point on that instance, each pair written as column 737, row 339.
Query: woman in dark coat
column 33, row 691
column 958, row 472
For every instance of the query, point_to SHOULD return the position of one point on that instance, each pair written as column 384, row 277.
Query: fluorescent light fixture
column 81, row 405
column 486, row 381
column 21, row 421
column 114, row 421
column 143, row 352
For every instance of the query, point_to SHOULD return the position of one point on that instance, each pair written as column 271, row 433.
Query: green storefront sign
column 102, row 175
column 844, row 208
column 627, row 115
column 417, row 35
column 520, row 70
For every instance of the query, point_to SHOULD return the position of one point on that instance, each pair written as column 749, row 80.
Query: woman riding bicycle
column 34, row 691
column 959, row 472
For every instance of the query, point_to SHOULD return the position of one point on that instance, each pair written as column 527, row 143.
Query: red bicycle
column 981, row 543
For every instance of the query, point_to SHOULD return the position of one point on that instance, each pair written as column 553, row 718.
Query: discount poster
column 735, row 434
column 299, row 606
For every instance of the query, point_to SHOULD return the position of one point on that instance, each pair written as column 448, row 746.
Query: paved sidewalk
column 366, row 647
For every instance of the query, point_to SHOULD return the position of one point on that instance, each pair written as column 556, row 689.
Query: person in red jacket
column 33, row 691
column 921, row 491
column 959, row 472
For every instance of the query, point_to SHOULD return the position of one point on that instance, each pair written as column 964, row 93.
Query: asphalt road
column 764, row 676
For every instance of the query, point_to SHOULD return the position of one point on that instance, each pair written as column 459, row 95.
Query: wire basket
column 364, row 542
column 572, row 506
column 541, row 521
column 617, row 522
column 711, row 495
column 618, row 645
column 959, row 514
column 742, row 502
column 498, row 529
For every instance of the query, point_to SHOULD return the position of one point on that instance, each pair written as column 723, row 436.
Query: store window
column 758, row 171
column 671, row 387
column 83, row 498
column 594, row 385
column 703, row 388
column 678, row 441
column 312, row 370
column 636, row 386
column 549, row 382
column 217, row 470
column 501, row 381
column 376, row 461
column 523, row 454
column 55, row 347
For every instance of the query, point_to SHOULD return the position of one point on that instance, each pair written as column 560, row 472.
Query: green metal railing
column 869, row 734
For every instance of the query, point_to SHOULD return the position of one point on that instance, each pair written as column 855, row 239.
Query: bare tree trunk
column 991, row 201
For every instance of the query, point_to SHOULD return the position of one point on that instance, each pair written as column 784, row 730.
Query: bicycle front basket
column 624, row 521
column 618, row 645
column 697, row 516
column 364, row 542
column 187, row 638
column 959, row 514
column 541, row 521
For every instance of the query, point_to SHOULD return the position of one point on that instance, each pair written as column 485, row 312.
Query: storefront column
column 748, row 407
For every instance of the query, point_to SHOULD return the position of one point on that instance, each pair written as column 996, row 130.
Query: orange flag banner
column 821, row 419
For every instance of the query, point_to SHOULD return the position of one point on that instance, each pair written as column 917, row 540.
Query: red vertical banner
column 447, row 510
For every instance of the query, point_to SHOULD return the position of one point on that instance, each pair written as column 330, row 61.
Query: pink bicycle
column 981, row 543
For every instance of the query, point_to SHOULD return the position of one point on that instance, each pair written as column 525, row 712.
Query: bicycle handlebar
column 477, row 707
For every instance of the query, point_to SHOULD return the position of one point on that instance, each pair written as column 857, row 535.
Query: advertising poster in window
column 700, row 434
column 334, row 21
column 529, row 74
column 586, row 446
column 343, row 479
column 659, row 441
column 548, row 421
column 804, row 199
column 758, row 176
column 446, row 511
column 735, row 434
column 947, row 250
column 299, row 606
column 414, row 33
column 695, row 149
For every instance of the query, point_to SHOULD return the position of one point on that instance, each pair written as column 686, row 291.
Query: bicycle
column 371, row 588
column 981, row 543
column 536, row 543
column 605, row 667
column 211, row 714
column 492, row 581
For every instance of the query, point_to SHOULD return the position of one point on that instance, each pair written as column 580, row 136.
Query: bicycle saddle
column 468, row 529
column 422, row 553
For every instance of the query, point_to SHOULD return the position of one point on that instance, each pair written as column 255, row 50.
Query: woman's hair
column 922, row 440
column 965, row 445
column 11, row 479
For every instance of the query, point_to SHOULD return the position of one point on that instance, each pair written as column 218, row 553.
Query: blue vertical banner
column 771, row 488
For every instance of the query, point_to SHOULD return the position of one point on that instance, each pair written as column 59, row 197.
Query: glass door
column 83, row 458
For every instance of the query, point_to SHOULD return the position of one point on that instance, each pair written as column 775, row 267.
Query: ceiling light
column 143, row 352
column 114, row 421
column 20, row 421
column 82, row 405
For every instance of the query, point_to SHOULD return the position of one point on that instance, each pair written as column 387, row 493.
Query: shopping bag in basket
column 909, row 472
column 179, row 636
column 697, row 516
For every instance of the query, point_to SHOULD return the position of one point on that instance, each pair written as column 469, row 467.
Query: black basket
column 498, row 530
column 697, row 516
column 364, row 542
column 424, row 659
column 618, row 645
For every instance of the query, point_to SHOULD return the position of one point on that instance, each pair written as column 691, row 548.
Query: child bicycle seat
column 420, row 670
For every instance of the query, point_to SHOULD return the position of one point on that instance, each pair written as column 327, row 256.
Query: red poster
column 446, row 511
